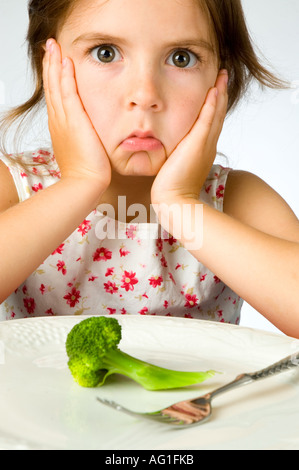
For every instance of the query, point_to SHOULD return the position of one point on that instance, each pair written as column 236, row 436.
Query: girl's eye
column 105, row 54
column 183, row 59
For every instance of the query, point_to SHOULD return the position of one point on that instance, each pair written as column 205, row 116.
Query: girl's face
column 143, row 70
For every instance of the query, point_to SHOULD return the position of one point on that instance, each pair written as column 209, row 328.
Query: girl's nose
column 146, row 93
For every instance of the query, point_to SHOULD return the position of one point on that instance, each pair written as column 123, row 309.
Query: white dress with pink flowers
column 140, row 271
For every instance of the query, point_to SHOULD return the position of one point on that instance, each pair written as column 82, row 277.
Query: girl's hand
column 185, row 171
column 77, row 147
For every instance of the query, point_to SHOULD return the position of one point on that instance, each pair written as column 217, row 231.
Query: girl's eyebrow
column 98, row 37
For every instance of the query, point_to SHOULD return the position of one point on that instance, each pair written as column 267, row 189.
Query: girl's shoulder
column 8, row 191
column 252, row 201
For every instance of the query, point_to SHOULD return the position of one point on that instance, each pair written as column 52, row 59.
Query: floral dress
column 141, row 271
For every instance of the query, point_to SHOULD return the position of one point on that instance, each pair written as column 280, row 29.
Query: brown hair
column 234, row 46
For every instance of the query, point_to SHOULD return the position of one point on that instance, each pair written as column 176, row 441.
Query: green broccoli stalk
column 92, row 348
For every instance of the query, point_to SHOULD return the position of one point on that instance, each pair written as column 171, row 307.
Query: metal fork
column 199, row 410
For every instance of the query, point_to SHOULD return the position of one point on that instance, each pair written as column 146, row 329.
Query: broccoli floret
column 92, row 348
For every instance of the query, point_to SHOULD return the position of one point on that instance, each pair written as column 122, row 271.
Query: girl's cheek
column 187, row 113
column 98, row 102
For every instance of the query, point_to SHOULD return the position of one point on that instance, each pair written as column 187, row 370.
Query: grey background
column 261, row 136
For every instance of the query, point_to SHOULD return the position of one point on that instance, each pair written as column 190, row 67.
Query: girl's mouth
column 141, row 141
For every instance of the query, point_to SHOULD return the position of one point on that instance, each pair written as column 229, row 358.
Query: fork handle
column 247, row 378
column 280, row 366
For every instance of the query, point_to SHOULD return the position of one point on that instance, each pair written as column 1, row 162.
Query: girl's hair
column 234, row 46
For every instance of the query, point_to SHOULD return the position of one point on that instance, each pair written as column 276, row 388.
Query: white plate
column 41, row 407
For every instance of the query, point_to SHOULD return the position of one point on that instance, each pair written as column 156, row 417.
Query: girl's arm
column 260, row 264
column 254, row 246
column 31, row 230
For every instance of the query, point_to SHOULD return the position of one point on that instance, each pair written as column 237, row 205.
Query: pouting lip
column 141, row 135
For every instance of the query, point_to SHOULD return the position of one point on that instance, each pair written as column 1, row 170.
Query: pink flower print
column 123, row 252
column 163, row 262
column 159, row 244
column 208, row 188
column 220, row 313
column 223, row 289
column 203, row 277
column 39, row 159
column 61, row 267
column 220, row 191
column 92, row 278
column 171, row 278
column 84, row 227
column 42, row 289
column 29, row 304
column 23, row 175
column 171, row 240
column 123, row 311
column 49, row 312
column 111, row 310
column 102, row 254
column 178, row 266
column 59, row 250
column 216, row 279
column 37, row 187
column 72, row 297
column 191, row 300
column 110, row 287
column 54, row 173
column 165, row 305
column 129, row 280
column 44, row 152
column 143, row 311
column 24, row 290
column 155, row 281
column 188, row 315
column 109, row 272
column 131, row 231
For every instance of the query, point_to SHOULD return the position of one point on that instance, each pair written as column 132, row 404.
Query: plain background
column 262, row 136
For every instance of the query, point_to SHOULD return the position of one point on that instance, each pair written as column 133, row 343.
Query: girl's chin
column 140, row 163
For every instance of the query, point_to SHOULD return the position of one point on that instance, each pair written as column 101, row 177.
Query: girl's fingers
column 222, row 103
column 70, row 99
column 201, row 143
column 196, row 141
column 209, row 124
column 60, row 85
column 52, row 80
column 46, row 81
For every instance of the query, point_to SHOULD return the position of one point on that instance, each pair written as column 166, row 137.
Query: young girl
column 136, row 94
